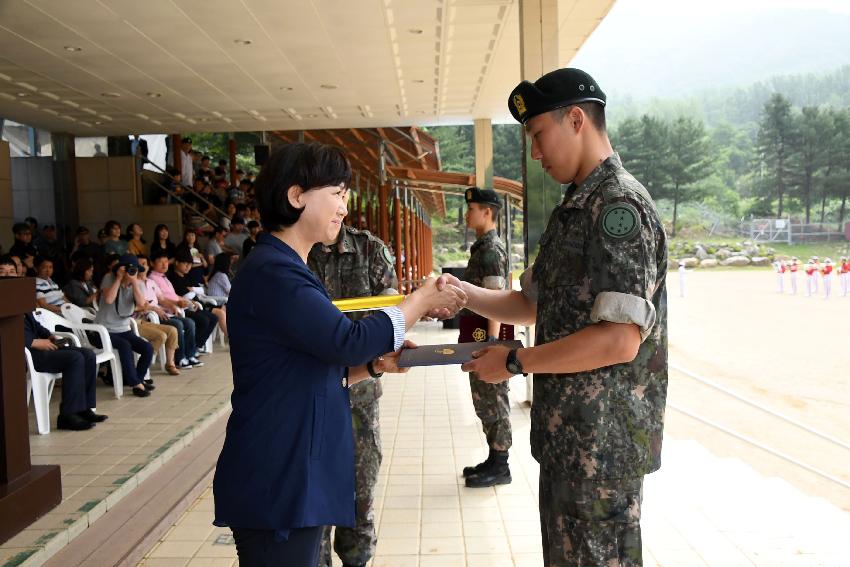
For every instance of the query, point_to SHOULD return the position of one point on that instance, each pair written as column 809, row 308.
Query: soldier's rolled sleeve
column 528, row 286
column 624, row 308
column 624, row 270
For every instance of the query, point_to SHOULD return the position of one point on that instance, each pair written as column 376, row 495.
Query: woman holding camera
column 287, row 465
column 121, row 294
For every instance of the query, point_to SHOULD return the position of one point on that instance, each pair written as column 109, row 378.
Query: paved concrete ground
column 704, row 508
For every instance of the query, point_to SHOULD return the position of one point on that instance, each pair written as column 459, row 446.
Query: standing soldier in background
column 357, row 265
column 792, row 268
column 487, row 268
column 810, row 277
column 844, row 275
column 817, row 275
column 779, row 268
column 826, row 274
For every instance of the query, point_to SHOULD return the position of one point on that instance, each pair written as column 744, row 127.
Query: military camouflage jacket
column 488, row 257
column 358, row 265
column 603, row 256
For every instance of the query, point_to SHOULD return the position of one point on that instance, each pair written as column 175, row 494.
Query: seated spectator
column 182, row 284
column 23, row 245
column 204, row 170
column 114, row 243
column 215, row 245
column 253, row 231
column 229, row 212
column 219, row 284
column 158, row 334
column 237, row 235
column 19, row 265
column 8, row 268
column 162, row 243
column 101, row 237
column 136, row 245
column 221, row 169
column 121, row 294
column 47, row 293
column 172, row 303
column 79, row 371
column 81, row 290
column 220, row 189
column 48, row 245
column 186, row 348
column 199, row 262
column 239, row 192
column 85, row 248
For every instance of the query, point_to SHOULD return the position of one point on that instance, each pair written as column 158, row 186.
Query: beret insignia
column 519, row 104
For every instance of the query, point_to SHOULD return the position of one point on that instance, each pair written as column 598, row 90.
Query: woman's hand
column 438, row 294
column 389, row 361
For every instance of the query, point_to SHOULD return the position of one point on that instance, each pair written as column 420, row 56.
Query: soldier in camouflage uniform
column 487, row 268
column 597, row 294
column 357, row 265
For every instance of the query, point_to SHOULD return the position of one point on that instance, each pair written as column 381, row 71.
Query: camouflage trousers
column 493, row 408
column 590, row 523
column 356, row 546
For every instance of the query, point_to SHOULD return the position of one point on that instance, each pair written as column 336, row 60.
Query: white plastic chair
column 40, row 386
column 74, row 320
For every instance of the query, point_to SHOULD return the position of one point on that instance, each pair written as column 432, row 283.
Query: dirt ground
column 790, row 353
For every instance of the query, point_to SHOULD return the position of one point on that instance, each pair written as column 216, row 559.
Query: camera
column 132, row 270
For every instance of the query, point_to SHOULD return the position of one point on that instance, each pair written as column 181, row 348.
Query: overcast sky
column 670, row 48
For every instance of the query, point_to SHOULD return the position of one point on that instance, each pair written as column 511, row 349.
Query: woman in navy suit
column 287, row 465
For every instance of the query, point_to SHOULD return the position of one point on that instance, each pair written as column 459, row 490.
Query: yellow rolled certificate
column 368, row 303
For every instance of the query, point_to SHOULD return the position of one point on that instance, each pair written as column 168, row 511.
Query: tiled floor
column 100, row 465
column 699, row 510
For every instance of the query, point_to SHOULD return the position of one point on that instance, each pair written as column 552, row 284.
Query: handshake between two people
column 442, row 298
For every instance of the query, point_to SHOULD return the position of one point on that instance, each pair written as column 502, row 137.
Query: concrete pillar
column 538, row 23
column 538, row 44
column 65, row 194
column 483, row 129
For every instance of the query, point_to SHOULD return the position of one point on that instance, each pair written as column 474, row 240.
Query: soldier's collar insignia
column 619, row 221
column 519, row 104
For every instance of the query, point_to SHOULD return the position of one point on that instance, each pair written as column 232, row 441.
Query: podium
column 27, row 492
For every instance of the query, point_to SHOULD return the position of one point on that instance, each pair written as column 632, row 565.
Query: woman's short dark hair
column 81, row 266
column 222, row 263
column 158, row 228
column 110, row 225
column 306, row 165
column 39, row 260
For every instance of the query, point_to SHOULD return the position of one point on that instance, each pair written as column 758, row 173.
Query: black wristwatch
column 371, row 370
column 492, row 339
column 513, row 365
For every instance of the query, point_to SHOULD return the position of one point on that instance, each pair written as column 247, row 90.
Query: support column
column 397, row 242
column 65, row 195
column 407, row 241
column 538, row 23
column 483, row 153
column 176, row 153
column 383, row 212
column 231, row 150
column 538, row 45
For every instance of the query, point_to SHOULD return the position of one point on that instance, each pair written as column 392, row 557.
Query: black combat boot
column 496, row 472
column 469, row 471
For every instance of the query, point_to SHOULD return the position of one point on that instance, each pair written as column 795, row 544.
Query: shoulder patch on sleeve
column 387, row 256
column 619, row 221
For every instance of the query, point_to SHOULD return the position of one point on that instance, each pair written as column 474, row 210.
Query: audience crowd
column 165, row 296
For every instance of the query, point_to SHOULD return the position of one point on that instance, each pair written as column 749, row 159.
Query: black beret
column 560, row 88
column 485, row 196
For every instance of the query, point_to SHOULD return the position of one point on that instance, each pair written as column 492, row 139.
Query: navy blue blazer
column 288, row 455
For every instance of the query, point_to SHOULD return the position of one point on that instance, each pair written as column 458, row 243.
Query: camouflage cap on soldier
column 484, row 196
column 560, row 88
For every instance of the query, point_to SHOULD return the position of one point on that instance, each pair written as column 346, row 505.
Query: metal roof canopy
column 95, row 68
